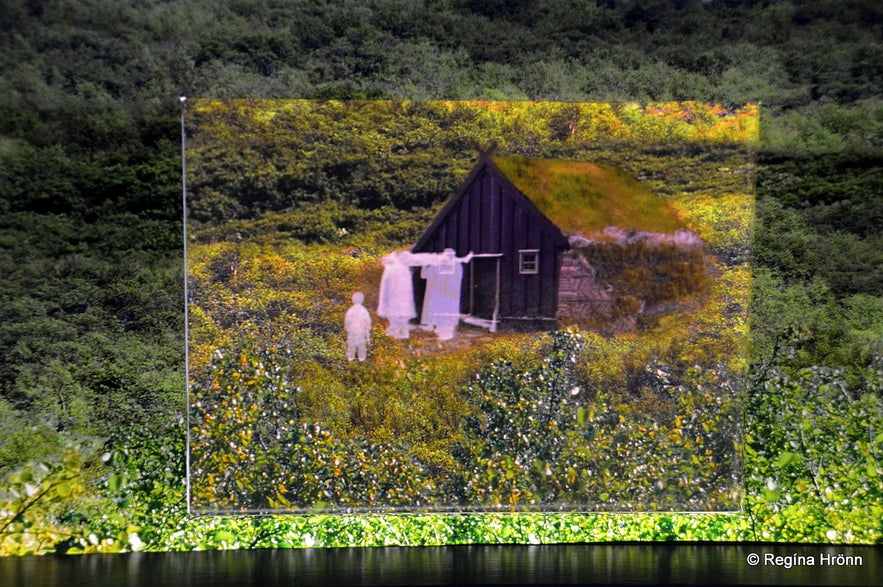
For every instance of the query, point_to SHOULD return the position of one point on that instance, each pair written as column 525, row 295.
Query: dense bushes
column 530, row 438
column 813, row 447
column 539, row 438
column 812, row 470
column 249, row 157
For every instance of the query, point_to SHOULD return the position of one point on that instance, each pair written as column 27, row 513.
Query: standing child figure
column 357, row 323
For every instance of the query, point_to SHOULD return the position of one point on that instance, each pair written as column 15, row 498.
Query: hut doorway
column 481, row 297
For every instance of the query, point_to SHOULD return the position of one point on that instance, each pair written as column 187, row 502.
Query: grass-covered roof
column 583, row 198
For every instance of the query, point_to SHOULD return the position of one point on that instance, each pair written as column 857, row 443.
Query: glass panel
column 329, row 365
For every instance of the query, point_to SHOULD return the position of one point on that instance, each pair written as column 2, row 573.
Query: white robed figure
column 357, row 323
column 396, row 300
column 441, row 303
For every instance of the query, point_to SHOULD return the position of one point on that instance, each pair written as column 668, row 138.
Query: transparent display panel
column 466, row 306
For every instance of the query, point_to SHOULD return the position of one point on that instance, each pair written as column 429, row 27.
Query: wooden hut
column 516, row 214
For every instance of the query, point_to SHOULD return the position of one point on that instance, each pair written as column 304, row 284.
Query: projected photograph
column 467, row 306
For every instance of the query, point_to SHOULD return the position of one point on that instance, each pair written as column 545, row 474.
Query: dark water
column 605, row 564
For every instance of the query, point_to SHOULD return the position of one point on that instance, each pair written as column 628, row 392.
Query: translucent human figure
column 396, row 300
column 357, row 324
column 441, row 304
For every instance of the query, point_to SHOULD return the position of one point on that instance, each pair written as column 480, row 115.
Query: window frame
column 524, row 263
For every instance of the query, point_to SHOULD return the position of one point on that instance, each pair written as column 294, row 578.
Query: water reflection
column 611, row 564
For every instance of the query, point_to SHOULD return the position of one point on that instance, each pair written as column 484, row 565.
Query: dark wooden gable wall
column 489, row 215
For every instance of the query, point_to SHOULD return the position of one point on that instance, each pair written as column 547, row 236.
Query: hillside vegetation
column 91, row 322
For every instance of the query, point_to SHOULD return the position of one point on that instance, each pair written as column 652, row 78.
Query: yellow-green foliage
column 725, row 221
column 247, row 157
column 582, row 198
column 31, row 502
column 235, row 120
column 338, row 185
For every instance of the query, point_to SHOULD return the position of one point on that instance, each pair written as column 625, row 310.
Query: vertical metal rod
column 496, row 300
column 471, row 288
column 183, row 101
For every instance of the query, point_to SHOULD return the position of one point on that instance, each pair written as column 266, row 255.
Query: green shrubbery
column 31, row 504
column 814, row 448
column 89, row 207
column 812, row 471
column 410, row 435
column 541, row 438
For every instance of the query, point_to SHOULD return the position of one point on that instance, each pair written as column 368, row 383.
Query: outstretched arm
column 419, row 259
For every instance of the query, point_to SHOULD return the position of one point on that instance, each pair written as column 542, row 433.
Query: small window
column 529, row 261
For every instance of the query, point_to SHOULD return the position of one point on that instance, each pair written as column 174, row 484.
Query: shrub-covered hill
column 249, row 157
column 90, row 202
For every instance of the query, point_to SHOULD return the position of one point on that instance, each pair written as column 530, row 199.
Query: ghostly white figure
column 357, row 323
column 396, row 302
column 441, row 304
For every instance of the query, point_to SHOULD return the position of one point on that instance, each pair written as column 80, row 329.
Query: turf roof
column 584, row 198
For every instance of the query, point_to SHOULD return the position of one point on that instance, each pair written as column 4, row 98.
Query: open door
column 481, row 296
